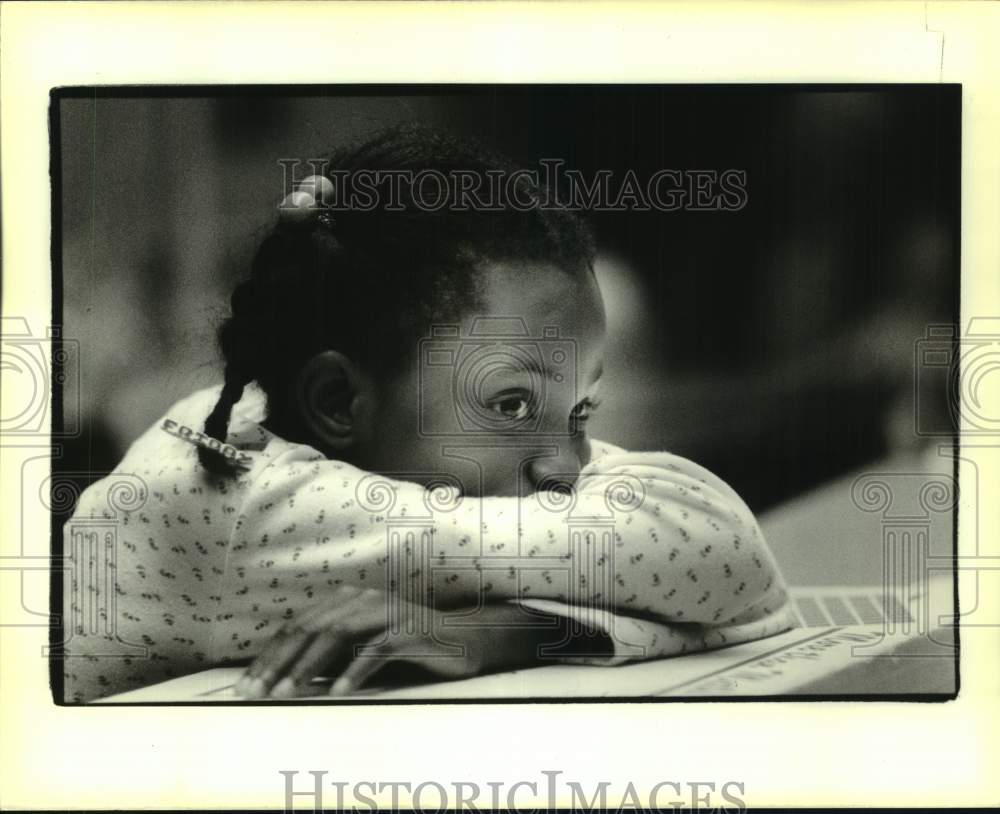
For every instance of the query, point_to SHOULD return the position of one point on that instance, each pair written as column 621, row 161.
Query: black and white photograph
column 509, row 405
column 527, row 392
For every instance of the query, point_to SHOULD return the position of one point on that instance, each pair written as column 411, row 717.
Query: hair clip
column 237, row 457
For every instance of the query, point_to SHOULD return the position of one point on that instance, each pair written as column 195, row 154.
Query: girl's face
column 497, row 398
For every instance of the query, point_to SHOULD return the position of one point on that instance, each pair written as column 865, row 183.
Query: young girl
column 396, row 469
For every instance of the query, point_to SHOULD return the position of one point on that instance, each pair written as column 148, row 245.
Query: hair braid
column 217, row 423
column 232, row 338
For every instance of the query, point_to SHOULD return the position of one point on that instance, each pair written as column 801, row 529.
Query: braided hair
column 370, row 281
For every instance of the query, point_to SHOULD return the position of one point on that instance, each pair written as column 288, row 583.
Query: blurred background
column 774, row 344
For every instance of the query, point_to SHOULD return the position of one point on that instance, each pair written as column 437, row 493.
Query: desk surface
column 836, row 534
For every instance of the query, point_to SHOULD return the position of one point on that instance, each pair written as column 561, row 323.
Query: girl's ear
column 332, row 398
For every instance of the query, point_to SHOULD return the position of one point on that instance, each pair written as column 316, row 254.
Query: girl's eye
column 583, row 412
column 514, row 407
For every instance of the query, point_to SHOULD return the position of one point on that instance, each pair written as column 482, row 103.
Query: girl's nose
column 555, row 473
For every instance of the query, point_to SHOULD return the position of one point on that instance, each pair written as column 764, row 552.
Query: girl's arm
column 652, row 548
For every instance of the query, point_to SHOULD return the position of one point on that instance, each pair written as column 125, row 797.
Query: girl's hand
column 357, row 632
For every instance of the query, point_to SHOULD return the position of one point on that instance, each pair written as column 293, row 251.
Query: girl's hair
column 369, row 281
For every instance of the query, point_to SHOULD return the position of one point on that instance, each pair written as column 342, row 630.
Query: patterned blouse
column 175, row 570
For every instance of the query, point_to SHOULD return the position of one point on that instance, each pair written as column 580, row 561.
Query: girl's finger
column 361, row 668
column 326, row 654
column 250, row 674
column 423, row 651
column 271, row 665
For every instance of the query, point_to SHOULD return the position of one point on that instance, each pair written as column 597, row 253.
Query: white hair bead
column 297, row 207
column 319, row 186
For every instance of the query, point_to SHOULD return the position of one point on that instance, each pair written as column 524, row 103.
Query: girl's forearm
column 646, row 534
column 504, row 636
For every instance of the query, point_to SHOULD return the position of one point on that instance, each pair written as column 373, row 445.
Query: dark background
column 775, row 344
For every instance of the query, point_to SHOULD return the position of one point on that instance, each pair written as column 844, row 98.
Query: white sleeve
column 636, row 638
column 650, row 547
